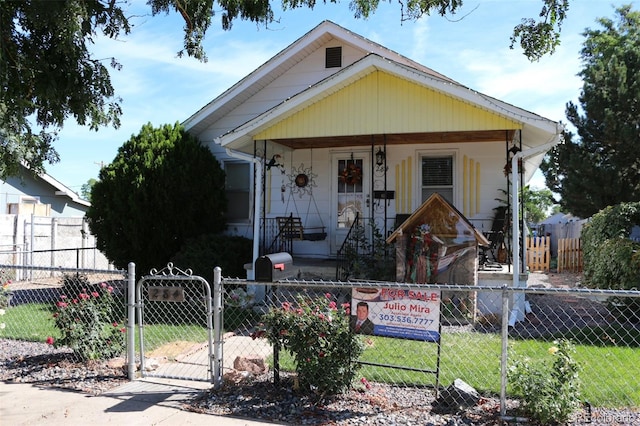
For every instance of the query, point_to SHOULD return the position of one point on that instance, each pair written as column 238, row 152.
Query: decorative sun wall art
column 302, row 180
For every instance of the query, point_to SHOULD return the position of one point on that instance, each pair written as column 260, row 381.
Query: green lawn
column 32, row 322
column 156, row 335
column 609, row 373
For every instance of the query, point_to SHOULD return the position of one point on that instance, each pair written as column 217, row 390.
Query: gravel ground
column 378, row 405
column 38, row 363
column 261, row 399
column 42, row 364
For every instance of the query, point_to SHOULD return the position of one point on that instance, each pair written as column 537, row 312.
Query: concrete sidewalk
column 141, row 402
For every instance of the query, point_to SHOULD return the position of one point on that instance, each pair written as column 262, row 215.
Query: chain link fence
column 82, row 311
column 174, row 317
column 422, row 335
column 78, row 258
column 474, row 345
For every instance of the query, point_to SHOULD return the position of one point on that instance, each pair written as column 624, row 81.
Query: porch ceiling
column 397, row 139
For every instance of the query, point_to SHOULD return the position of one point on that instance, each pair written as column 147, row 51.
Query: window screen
column 437, row 176
column 237, row 186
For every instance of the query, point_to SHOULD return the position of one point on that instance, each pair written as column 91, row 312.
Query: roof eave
column 241, row 138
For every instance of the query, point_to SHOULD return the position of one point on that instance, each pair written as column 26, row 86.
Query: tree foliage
column 537, row 203
column 49, row 74
column 85, row 191
column 161, row 189
column 600, row 166
column 611, row 257
column 539, row 37
column 203, row 253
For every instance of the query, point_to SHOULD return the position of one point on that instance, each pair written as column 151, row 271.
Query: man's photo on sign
column 360, row 322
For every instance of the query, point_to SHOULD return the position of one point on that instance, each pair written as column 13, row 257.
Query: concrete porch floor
column 314, row 268
column 325, row 269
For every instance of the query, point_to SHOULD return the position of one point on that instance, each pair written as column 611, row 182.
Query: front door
column 350, row 193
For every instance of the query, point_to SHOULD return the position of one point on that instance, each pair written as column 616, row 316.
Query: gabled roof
column 559, row 218
column 62, row 190
column 436, row 203
column 283, row 61
column 58, row 188
column 534, row 126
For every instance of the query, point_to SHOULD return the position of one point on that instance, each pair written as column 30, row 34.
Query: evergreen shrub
column 611, row 258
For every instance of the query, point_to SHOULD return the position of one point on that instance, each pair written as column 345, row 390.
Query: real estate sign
column 408, row 314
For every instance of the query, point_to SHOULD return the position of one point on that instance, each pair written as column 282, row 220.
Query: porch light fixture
column 510, row 154
column 514, row 150
column 380, row 159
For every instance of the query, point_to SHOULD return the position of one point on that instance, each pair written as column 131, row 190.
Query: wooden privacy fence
column 538, row 253
column 569, row 255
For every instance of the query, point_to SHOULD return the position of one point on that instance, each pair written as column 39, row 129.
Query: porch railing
column 273, row 239
column 350, row 244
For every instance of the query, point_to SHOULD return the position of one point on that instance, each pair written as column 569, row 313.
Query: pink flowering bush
column 316, row 332
column 5, row 290
column 90, row 323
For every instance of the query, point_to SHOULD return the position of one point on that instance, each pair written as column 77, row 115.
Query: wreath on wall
column 351, row 174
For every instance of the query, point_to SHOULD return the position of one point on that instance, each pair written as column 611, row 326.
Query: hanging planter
column 351, row 174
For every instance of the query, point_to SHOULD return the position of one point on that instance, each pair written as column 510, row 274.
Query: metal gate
column 175, row 329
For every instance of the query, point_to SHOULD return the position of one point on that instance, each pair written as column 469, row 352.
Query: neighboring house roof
column 559, row 218
column 64, row 191
column 49, row 190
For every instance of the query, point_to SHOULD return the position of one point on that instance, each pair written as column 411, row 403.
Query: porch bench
column 290, row 227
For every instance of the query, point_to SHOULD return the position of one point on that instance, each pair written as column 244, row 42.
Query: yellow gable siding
column 382, row 103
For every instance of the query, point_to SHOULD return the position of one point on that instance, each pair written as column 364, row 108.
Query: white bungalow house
column 336, row 127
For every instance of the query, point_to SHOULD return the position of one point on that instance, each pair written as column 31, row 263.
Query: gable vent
column 333, row 57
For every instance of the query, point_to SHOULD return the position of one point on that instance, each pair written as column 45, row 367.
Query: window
column 437, row 176
column 29, row 200
column 238, row 190
column 333, row 57
column 350, row 191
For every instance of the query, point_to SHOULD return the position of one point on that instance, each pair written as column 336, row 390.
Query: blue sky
column 472, row 47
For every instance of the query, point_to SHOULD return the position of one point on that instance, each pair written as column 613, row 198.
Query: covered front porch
column 312, row 192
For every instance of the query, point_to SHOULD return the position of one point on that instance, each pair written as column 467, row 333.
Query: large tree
column 48, row 73
column 600, row 166
column 161, row 189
